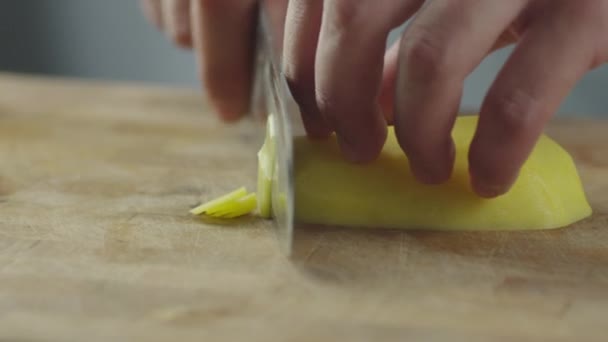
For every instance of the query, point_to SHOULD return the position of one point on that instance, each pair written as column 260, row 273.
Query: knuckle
column 512, row 111
column 424, row 55
column 298, row 9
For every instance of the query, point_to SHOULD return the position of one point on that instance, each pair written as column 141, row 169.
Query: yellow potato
column 234, row 204
column 331, row 191
column 266, row 159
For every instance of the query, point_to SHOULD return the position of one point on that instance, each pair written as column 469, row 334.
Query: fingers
column 299, row 50
column 348, row 70
column 176, row 19
column 551, row 57
column 153, row 11
column 223, row 36
column 446, row 41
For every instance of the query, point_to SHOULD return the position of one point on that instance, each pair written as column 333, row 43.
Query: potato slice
column 266, row 157
column 331, row 191
column 234, row 204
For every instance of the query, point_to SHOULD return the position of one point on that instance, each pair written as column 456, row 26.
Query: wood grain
column 96, row 242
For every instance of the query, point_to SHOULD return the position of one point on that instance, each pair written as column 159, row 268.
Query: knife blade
column 272, row 100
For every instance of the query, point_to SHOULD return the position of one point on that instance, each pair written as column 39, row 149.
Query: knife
column 273, row 100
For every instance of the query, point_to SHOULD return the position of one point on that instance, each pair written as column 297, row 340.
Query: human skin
column 346, row 82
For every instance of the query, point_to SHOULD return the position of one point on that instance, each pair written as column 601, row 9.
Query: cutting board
column 96, row 242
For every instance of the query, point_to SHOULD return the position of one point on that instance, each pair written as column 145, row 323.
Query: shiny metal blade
column 273, row 100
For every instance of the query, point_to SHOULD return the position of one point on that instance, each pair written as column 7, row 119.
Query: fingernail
column 438, row 172
column 424, row 174
column 349, row 151
column 362, row 150
column 487, row 189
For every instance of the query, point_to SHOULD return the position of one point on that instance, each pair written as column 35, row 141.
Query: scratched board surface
column 96, row 242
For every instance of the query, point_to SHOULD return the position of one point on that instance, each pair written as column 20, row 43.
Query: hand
column 221, row 33
column 334, row 57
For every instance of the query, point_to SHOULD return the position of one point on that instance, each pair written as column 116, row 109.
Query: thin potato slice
column 266, row 158
column 233, row 204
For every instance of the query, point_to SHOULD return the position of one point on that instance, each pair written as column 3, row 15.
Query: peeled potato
column 266, row 161
column 331, row 191
column 234, row 204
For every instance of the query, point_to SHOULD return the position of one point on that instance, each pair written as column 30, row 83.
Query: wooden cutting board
column 96, row 242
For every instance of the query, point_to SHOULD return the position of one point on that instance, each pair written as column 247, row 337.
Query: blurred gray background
column 110, row 39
